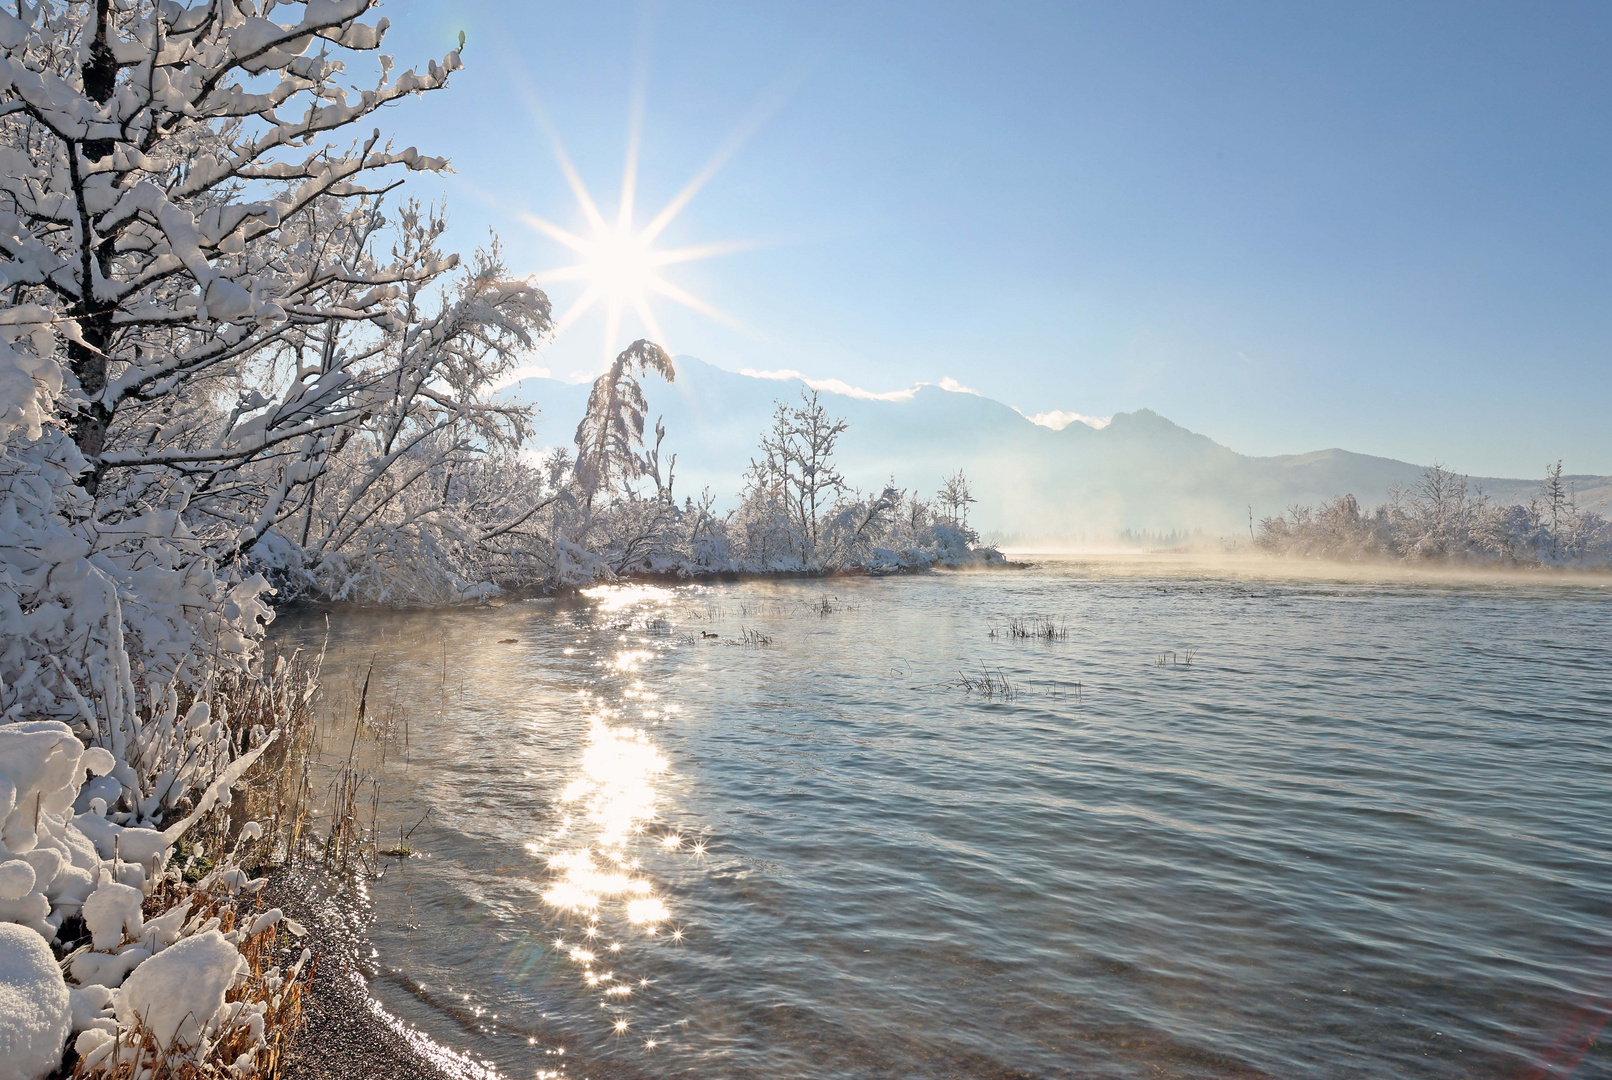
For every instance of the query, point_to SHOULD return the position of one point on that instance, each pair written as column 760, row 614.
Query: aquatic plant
column 1037, row 628
column 754, row 639
column 1057, row 689
column 828, row 605
column 1030, row 628
column 992, row 685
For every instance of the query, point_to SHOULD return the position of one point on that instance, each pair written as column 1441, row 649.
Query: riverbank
column 345, row 1033
column 550, row 591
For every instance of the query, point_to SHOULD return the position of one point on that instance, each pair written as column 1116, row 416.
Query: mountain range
column 1139, row 472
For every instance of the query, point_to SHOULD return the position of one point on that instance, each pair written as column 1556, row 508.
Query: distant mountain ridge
column 1139, row 472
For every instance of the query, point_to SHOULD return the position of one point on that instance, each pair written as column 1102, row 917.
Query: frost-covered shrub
column 1439, row 520
column 62, row 842
column 177, row 991
column 102, row 625
column 99, row 619
column 766, row 535
column 65, row 861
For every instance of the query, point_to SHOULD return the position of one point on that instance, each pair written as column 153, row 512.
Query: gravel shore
column 346, row 1035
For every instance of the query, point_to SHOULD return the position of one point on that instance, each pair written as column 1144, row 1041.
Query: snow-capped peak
column 1058, row 419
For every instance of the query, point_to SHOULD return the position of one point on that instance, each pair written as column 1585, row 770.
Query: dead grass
column 278, row 793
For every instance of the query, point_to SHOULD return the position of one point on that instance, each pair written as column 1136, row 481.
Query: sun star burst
column 618, row 263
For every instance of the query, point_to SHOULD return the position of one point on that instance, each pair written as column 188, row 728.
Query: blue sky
column 1377, row 226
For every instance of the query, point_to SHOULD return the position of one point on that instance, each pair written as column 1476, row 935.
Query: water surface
column 1223, row 827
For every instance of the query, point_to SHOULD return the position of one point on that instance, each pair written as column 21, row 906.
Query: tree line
column 1442, row 518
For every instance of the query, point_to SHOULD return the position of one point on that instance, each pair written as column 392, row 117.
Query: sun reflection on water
column 611, row 598
column 606, row 900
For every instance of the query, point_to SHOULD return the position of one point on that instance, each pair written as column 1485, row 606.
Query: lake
column 1197, row 824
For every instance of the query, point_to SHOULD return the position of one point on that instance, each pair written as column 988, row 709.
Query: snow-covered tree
column 796, row 467
column 252, row 349
column 955, row 496
column 215, row 344
column 404, row 473
column 170, row 196
column 797, row 514
column 610, row 438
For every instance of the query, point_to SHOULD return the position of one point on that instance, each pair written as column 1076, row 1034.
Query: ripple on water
column 1362, row 833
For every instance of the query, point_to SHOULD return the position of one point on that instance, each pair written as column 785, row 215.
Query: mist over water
column 1363, row 832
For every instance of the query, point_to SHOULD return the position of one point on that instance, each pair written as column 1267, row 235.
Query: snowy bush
column 1441, row 520
column 65, row 862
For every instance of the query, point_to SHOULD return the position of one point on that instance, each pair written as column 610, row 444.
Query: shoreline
column 725, row 577
column 345, row 1032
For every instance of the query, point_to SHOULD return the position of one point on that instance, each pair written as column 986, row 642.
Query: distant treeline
column 1442, row 518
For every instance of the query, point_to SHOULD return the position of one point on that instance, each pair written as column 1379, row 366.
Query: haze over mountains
column 1140, row 472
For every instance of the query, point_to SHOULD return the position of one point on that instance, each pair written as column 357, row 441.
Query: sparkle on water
column 614, row 598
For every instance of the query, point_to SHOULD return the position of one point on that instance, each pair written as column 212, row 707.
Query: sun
column 618, row 263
